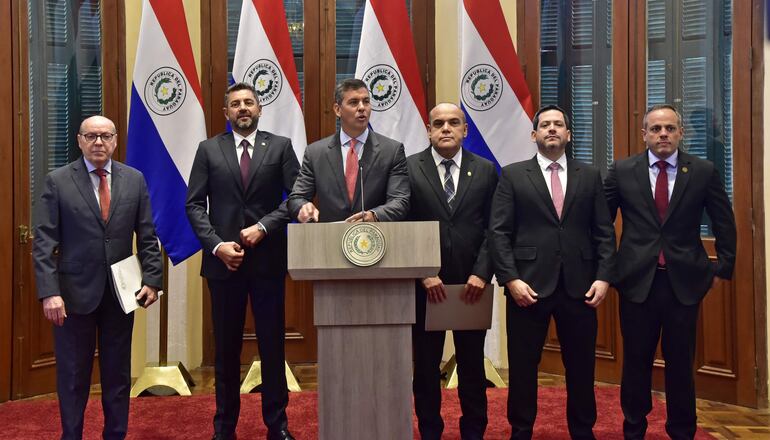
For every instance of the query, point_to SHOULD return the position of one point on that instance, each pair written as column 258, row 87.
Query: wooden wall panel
column 8, row 65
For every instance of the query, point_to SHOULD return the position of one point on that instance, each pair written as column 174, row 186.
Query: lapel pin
column 264, row 144
column 469, row 174
column 685, row 169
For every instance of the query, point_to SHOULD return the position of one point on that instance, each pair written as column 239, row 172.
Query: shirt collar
column 91, row 167
column 361, row 138
column 670, row 160
column 545, row 162
column 251, row 137
column 457, row 158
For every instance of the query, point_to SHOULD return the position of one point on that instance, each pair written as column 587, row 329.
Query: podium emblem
column 363, row 244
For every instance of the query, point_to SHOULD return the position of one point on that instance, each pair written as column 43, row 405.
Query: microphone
column 361, row 176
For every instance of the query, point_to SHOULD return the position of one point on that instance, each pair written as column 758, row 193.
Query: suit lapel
column 227, row 146
column 682, row 177
column 642, row 174
column 535, row 175
column 84, row 185
column 574, row 176
column 261, row 145
column 115, row 188
column 370, row 153
column 334, row 157
column 428, row 169
column 467, row 172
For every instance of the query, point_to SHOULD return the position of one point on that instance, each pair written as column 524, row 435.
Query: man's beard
column 245, row 125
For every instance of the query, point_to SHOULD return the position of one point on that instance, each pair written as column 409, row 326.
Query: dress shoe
column 283, row 434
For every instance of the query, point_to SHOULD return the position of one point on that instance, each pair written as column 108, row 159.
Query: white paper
column 127, row 280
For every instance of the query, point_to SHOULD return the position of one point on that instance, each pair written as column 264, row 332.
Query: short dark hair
column 236, row 87
column 345, row 85
column 662, row 107
column 536, row 119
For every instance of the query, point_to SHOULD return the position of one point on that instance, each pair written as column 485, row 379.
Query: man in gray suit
column 86, row 220
column 336, row 168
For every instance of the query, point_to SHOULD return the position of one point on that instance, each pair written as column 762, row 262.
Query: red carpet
column 159, row 418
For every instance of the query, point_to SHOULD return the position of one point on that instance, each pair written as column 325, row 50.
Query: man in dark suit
column 553, row 246
column 241, row 178
column 663, row 271
column 85, row 222
column 332, row 168
column 455, row 187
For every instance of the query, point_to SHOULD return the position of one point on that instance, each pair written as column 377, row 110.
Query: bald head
column 97, row 140
column 100, row 120
column 446, row 107
column 447, row 129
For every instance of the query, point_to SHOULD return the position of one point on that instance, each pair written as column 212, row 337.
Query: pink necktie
column 351, row 170
column 557, row 194
column 661, row 198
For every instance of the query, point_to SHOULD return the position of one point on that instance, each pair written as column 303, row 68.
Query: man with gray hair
column 86, row 219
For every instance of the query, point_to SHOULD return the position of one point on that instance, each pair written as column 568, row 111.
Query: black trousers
column 74, row 344
column 426, row 384
column 661, row 317
column 527, row 327
column 228, row 310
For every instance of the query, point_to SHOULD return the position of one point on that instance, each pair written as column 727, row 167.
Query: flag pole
column 163, row 378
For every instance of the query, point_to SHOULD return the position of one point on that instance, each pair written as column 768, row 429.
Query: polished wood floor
column 721, row 420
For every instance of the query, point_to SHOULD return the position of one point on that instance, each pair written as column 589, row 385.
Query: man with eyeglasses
column 85, row 221
column 663, row 271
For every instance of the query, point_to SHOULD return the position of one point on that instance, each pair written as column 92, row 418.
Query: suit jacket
column 697, row 187
column 215, row 183
column 74, row 248
column 531, row 243
column 463, row 229
column 386, row 184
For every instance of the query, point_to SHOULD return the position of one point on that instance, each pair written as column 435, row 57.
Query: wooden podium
column 364, row 317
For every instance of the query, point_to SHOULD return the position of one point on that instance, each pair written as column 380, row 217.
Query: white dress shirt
column 455, row 169
column 670, row 170
column 345, row 141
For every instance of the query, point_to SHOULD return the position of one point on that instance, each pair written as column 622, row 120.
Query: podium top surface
column 412, row 251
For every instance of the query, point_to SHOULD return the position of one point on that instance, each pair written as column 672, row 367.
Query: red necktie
column 351, row 170
column 661, row 198
column 557, row 194
column 245, row 163
column 104, row 193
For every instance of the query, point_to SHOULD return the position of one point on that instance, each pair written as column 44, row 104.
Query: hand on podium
column 308, row 213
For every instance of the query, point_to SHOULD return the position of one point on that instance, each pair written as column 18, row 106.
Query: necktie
column 104, row 193
column 245, row 163
column 557, row 193
column 351, row 170
column 661, row 198
column 449, row 184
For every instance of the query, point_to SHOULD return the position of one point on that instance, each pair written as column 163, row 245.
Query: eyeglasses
column 92, row 137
